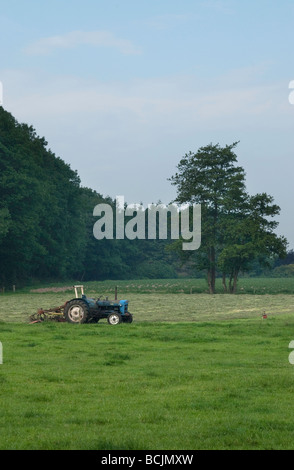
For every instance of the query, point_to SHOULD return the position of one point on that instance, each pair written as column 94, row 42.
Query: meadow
column 246, row 285
column 193, row 371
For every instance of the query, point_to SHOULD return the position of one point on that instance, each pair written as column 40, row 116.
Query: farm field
column 162, row 300
column 181, row 285
column 193, row 371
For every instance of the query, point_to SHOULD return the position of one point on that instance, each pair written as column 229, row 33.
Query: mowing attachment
column 51, row 314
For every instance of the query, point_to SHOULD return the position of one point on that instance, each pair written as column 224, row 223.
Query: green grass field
column 259, row 286
column 191, row 372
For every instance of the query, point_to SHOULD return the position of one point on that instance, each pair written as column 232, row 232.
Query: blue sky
column 121, row 90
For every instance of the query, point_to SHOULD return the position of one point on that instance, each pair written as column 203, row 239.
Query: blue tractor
column 83, row 309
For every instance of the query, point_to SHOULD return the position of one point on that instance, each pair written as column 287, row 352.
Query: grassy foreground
column 149, row 386
column 192, row 372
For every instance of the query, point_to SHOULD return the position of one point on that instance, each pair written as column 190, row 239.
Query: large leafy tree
column 210, row 177
column 235, row 229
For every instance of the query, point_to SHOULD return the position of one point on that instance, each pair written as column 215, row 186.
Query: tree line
column 46, row 219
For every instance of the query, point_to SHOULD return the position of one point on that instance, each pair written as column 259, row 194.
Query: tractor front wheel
column 114, row 318
column 76, row 311
column 128, row 318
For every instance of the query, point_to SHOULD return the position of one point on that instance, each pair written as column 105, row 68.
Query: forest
column 46, row 220
column 46, row 225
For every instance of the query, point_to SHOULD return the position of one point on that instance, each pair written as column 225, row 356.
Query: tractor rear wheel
column 76, row 311
column 114, row 318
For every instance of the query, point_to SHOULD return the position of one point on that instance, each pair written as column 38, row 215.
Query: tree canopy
column 46, row 219
column 236, row 227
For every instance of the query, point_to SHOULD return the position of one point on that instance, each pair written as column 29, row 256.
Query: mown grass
column 149, row 386
column 160, row 307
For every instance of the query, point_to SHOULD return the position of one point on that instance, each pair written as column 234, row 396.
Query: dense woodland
column 46, row 222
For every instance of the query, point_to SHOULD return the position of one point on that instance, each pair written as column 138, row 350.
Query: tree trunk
column 225, row 283
column 230, row 284
column 209, row 280
column 235, row 282
column 211, row 271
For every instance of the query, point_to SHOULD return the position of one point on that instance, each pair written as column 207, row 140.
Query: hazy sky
column 121, row 90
